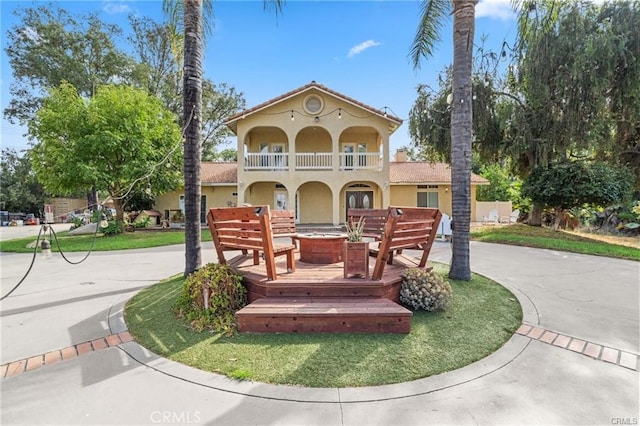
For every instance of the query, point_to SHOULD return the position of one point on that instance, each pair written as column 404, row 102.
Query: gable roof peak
column 231, row 121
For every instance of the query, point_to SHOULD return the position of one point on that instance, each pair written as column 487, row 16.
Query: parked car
column 31, row 219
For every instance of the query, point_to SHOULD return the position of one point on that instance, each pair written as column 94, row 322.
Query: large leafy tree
column 430, row 119
column 564, row 184
column 158, row 49
column 50, row 46
column 20, row 190
column 577, row 86
column 433, row 15
column 118, row 141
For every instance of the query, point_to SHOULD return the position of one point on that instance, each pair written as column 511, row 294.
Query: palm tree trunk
column 461, row 136
column 192, row 103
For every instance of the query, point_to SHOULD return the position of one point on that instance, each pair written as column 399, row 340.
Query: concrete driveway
column 574, row 360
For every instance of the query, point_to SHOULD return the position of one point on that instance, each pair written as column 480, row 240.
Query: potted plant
column 356, row 251
column 177, row 219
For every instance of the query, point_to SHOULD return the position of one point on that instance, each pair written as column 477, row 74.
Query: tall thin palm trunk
column 461, row 136
column 192, row 110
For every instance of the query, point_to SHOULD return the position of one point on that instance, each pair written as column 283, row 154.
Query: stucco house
column 319, row 152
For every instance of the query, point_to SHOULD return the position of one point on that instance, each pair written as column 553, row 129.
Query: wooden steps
column 324, row 315
column 318, row 299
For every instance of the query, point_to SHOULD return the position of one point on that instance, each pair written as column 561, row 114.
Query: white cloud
column 115, row 7
column 359, row 48
column 497, row 9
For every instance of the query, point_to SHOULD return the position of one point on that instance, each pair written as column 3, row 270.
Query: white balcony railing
column 266, row 161
column 361, row 161
column 314, row 161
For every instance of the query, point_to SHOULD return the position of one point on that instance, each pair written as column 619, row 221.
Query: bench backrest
column 242, row 228
column 374, row 221
column 407, row 228
column 283, row 223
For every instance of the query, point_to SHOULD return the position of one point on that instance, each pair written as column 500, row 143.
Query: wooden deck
column 317, row 298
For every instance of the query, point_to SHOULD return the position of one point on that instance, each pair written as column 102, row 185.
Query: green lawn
column 518, row 234
column 481, row 317
column 133, row 240
column 532, row 236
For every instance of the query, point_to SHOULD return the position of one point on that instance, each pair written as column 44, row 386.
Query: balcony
column 370, row 161
column 361, row 161
column 266, row 161
column 314, row 161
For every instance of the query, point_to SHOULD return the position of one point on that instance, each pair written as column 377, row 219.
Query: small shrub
column 142, row 221
column 114, row 228
column 424, row 290
column 77, row 222
column 210, row 297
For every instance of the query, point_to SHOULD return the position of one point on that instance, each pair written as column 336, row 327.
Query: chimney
column 401, row 155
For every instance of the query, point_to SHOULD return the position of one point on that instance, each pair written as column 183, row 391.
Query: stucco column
column 291, row 199
column 240, row 189
column 386, row 195
column 335, row 195
column 291, row 153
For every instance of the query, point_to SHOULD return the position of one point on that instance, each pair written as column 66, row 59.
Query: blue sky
column 358, row 48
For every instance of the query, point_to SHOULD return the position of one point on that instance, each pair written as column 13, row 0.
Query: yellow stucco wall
column 261, row 193
column 219, row 196
column 315, row 203
column 406, row 195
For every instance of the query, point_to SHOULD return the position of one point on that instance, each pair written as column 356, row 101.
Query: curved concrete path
column 574, row 360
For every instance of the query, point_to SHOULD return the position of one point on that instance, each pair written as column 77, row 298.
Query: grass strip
column 124, row 241
column 531, row 236
column 481, row 317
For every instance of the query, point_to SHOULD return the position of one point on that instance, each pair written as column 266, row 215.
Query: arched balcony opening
column 266, row 148
column 360, row 149
column 313, row 149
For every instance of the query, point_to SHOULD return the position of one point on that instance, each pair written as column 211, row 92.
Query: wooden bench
column 283, row 224
column 374, row 221
column 406, row 228
column 244, row 229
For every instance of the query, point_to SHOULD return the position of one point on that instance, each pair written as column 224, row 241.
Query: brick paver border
column 18, row 367
column 590, row 349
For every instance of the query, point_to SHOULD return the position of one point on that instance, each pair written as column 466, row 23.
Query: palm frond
column 276, row 5
column 428, row 33
column 174, row 12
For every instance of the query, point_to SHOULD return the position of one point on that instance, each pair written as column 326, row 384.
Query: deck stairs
column 318, row 299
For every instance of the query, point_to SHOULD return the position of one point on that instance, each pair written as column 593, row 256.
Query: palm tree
column 433, row 15
column 192, row 110
column 194, row 27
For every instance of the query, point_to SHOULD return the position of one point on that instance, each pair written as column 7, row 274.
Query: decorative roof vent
column 313, row 104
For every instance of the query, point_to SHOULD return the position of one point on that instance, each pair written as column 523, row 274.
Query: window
column 313, row 104
column 428, row 199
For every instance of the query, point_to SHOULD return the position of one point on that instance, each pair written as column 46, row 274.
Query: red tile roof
column 313, row 85
column 420, row 172
column 219, row 173
column 409, row 172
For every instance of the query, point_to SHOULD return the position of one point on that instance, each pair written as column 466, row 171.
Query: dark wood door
column 358, row 200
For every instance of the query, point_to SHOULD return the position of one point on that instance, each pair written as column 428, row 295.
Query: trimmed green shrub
column 424, row 290
column 114, row 228
column 210, row 297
